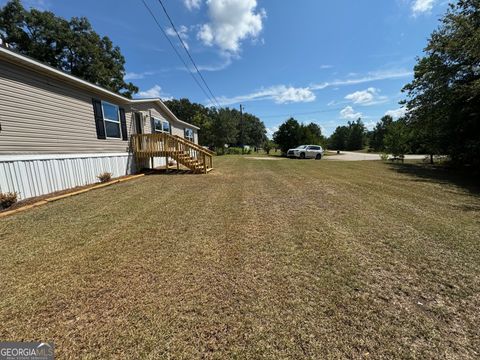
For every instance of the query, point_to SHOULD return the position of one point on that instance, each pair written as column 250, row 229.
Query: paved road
column 356, row 156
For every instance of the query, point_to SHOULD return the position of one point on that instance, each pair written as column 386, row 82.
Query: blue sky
column 326, row 62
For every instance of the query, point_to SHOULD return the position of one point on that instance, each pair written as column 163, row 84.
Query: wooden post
column 204, row 164
column 177, row 152
column 165, row 148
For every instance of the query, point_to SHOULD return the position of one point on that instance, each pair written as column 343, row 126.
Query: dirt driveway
column 356, row 156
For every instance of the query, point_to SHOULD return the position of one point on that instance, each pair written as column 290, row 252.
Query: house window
column 189, row 135
column 166, row 126
column 161, row 125
column 111, row 118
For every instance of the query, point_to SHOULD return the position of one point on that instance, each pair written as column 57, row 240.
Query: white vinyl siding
column 42, row 115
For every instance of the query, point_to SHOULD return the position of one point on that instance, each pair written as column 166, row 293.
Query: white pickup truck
column 306, row 152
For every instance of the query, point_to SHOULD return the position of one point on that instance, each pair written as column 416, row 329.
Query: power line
column 188, row 52
column 176, row 51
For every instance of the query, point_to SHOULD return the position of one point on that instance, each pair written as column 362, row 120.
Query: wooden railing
column 198, row 147
column 184, row 152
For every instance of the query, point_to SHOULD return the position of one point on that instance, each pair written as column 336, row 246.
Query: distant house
column 58, row 131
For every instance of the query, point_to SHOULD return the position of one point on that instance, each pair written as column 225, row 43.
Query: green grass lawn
column 259, row 258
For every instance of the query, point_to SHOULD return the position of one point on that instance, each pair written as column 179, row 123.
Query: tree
column 205, row 122
column 71, row 46
column 396, row 139
column 215, row 133
column 288, row 135
column 224, row 128
column 312, row 134
column 268, row 146
column 351, row 137
column 254, row 131
column 186, row 110
column 356, row 135
column 292, row 134
column 338, row 140
column 443, row 100
column 378, row 133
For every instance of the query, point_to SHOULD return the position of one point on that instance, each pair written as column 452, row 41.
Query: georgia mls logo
column 26, row 351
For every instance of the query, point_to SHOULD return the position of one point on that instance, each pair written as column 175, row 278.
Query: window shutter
column 98, row 113
column 123, row 124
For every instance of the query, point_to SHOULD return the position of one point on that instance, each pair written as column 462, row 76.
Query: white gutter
column 165, row 108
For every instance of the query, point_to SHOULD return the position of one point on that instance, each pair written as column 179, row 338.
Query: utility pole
column 241, row 126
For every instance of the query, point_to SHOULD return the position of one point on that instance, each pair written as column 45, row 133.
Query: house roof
column 164, row 107
column 37, row 66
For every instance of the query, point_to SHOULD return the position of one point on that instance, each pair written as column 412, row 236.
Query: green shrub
column 105, row 177
column 234, row 151
column 7, row 199
column 384, row 156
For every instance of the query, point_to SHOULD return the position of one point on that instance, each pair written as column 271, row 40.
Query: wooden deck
column 182, row 151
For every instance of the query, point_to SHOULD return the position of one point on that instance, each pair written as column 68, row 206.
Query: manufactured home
column 58, row 131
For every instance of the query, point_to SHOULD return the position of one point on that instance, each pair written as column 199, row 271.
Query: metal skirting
column 38, row 175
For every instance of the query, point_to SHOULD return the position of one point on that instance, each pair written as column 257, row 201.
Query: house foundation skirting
column 35, row 175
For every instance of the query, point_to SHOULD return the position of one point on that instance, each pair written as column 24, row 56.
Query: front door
column 138, row 123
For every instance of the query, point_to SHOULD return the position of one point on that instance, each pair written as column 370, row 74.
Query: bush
column 234, row 151
column 105, row 177
column 384, row 156
column 7, row 199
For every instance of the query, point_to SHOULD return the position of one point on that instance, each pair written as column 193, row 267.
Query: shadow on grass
column 440, row 174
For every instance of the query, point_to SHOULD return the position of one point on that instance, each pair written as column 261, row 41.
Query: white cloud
column 271, row 130
column 323, row 67
column 192, row 4
column 226, row 61
column 154, row 92
column 182, row 31
column 280, row 94
column 422, row 6
column 397, row 113
column 371, row 76
column 283, row 94
column 216, row 67
column 231, row 22
column 370, row 125
column 366, row 97
column 137, row 76
column 349, row 113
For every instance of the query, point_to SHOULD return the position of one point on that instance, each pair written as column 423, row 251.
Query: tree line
column 220, row 127
column 69, row 45
column 292, row 134
column 442, row 102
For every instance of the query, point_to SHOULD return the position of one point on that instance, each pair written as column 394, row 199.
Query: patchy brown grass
column 274, row 259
